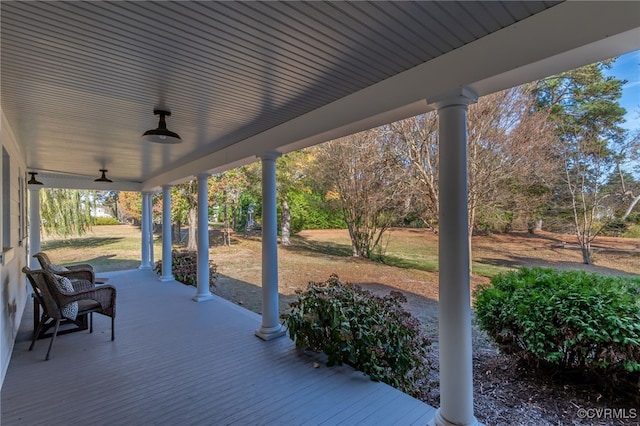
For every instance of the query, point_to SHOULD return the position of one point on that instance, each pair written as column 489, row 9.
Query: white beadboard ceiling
column 80, row 79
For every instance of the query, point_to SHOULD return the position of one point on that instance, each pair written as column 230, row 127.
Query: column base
column 270, row 333
column 438, row 420
column 167, row 278
column 202, row 297
column 144, row 267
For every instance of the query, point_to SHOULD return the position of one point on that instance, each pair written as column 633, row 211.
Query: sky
column 627, row 67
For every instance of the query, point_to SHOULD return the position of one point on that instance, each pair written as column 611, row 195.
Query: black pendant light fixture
column 33, row 180
column 103, row 178
column 161, row 134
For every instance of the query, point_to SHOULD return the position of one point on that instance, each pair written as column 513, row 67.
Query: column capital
column 167, row 186
column 270, row 155
column 201, row 176
column 462, row 96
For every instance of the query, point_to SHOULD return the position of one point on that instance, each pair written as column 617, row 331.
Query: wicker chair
column 53, row 299
column 74, row 272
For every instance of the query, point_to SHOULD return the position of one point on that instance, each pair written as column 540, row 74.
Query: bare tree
column 365, row 177
column 627, row 150
column 510, row 164
column 416, row 140
column 528, row 169
column 512, row 167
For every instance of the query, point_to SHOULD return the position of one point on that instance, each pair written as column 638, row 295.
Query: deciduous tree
column 583, row 106
column 291, row 180
column 416, row 140
column 186, row 207
column 363, row 174
column 66, row 212
column 131, row 206
column 509, row 160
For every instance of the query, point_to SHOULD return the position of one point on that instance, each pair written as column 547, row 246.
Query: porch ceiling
column 80, row 79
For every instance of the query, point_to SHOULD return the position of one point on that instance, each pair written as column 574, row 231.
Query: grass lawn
column 117, row 247
column 106, row 248
column 503, row 396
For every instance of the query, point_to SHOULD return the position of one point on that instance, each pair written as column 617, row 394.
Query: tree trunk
column 285, row 223
column 586, row 253
column 234, row 217
column 193, row 220
column 176, row 231
column 226, row 233
column 630, row 208
column 115, row 207
column 470, row 227
column 470, row 252
column 352, row 236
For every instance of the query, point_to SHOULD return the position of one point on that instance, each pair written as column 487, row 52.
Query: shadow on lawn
column 302, row 244
column 107, row 263
column 517, row 262
column 80, row 243
column 305, row 246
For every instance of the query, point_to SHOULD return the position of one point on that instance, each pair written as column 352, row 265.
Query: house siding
column 13, row 286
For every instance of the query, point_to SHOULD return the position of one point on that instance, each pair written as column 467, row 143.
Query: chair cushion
column 58, row 269
column 71, row 310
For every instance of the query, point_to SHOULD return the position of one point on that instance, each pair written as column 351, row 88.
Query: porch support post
column 271, row 327
column 144, row 264
column 34, row 225
column 151, row 257
column 456, row 375
column 203, row 292
column 167, row 272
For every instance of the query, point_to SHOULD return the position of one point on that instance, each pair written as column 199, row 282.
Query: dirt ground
column 505, row 394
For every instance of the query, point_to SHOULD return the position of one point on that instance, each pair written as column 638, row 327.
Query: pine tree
column 584, row 107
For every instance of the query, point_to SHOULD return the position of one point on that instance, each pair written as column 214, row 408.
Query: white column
column 34, row 225
column 456, row 378
column 144, row 263
column 151, row 257
column 271, row 327
column 167, row 273
column 203, row 292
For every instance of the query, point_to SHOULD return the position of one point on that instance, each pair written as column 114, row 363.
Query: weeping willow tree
column 66, row 212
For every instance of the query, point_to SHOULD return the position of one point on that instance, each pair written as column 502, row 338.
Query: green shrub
column 353, row 326
column 633, row 231
column 184, row 267
column 105, row 221
column 567, row 320
column 612, row 227
column 634, row 218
